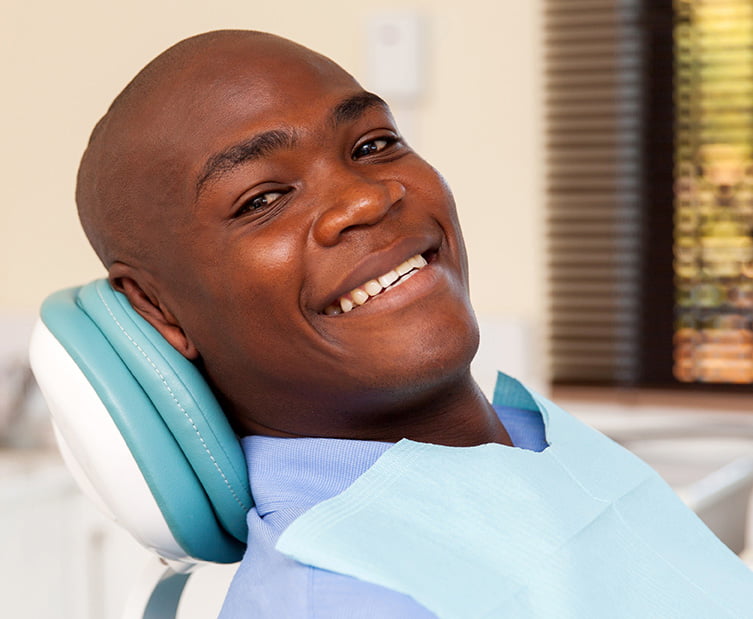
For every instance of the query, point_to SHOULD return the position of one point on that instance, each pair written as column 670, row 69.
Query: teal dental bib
column 583, row 529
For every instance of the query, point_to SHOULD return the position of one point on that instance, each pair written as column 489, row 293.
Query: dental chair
column 144, row 437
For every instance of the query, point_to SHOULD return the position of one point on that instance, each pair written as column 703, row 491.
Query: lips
column 362, row 294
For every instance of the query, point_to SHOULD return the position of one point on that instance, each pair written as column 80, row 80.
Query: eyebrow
column 353, row 107
column 265, row 143
column 238, row 154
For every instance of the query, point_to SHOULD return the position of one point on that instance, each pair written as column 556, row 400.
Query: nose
column 358, row 202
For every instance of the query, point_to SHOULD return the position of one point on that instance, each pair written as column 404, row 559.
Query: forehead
column 254, row 83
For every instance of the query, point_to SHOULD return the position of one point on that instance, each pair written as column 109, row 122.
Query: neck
column 456, row 414
column 461, row 416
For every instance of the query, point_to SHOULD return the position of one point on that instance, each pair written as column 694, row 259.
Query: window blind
column 595, row 110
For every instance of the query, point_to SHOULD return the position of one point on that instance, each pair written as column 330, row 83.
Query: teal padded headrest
column 167, row 414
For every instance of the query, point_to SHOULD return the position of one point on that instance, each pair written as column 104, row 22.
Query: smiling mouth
column 374, row 287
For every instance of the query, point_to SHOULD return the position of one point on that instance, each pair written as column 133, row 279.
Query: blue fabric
column 583, row 529
column 288, row 477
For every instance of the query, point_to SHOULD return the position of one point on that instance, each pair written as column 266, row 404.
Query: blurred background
column 600, row 156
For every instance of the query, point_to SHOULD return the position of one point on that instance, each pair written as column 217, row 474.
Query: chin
column 431, row 355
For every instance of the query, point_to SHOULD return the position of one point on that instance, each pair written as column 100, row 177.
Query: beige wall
column 62, row 63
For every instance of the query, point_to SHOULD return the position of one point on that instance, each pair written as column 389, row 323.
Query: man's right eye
column 259, row 202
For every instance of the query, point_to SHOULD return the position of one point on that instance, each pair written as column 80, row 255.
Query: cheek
column 237, row 288
column 430, row 185
column 248, row 315
column 257, row 286
column 270, row 256
column 435, row 191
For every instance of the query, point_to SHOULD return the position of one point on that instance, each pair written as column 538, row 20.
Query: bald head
column 132, row 175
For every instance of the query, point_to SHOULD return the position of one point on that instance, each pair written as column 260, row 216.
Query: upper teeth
column 359, row 296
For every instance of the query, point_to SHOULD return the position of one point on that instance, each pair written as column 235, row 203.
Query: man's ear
column 143, row 298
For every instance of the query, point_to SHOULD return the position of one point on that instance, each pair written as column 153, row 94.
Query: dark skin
column 277, row 186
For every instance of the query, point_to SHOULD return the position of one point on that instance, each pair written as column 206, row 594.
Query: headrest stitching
column 178, row 404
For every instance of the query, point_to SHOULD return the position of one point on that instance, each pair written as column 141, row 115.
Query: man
column 262, row 212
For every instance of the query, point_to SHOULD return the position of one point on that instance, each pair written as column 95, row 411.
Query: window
column 650, row 191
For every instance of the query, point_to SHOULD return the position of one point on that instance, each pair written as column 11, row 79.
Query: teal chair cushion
column 167, row 414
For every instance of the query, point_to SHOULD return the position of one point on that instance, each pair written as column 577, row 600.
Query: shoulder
column 271, row 589
column 270, row 585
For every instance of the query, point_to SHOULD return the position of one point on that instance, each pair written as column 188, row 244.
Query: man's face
column 312, row 258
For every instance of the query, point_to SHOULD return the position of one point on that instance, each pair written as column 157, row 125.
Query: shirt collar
column 304, row 471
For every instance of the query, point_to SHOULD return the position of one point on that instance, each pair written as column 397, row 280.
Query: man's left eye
column 373, row 146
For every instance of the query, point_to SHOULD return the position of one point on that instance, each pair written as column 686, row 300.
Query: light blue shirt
column 288, row 477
